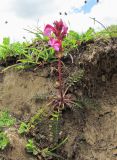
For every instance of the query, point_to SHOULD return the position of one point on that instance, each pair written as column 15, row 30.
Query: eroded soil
column 22, row 93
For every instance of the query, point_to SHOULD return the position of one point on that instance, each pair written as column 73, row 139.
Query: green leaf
column 4, row 141
column 23, row 128
column 6, row 120
column 31, row 147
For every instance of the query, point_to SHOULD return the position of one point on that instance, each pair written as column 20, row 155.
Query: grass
column 8, row 49
column 109, row 32
column 37, row 53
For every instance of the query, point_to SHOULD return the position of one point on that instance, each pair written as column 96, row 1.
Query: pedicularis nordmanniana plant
column 56, row 34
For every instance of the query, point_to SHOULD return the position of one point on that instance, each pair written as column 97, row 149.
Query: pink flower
column 59, row 30
column 56, row 44
column 56, row 34
column 48, row 30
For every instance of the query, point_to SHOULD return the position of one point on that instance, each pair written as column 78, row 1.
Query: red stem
column 60, row 79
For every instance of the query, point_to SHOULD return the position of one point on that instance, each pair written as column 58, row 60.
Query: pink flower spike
column 64, row 31
column 48, row 30
column 56, row 44
column 65, row 28
column 60, row 29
